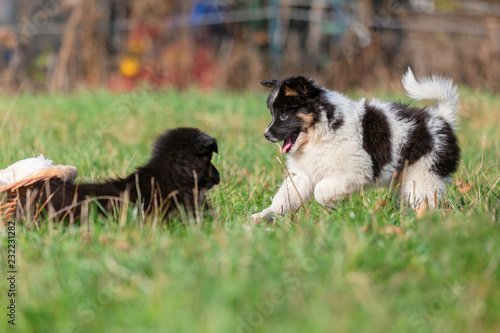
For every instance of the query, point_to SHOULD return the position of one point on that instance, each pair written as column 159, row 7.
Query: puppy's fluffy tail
column 439, row 88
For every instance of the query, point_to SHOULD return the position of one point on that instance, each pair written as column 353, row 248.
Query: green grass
column 318, row 271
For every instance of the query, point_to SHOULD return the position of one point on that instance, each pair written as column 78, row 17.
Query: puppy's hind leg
column 295, row 190
column 422, row 185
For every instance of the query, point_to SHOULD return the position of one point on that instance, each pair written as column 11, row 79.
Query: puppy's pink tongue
column 287, row 145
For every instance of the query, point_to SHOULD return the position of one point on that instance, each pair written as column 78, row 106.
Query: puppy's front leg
column 334, row 188
column 296, row 189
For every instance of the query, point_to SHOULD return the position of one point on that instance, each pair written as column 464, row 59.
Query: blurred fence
column 60, row 45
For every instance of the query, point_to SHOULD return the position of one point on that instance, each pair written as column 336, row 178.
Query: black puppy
column 178, row 174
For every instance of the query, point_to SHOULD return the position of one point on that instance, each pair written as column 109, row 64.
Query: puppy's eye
column 283, row 116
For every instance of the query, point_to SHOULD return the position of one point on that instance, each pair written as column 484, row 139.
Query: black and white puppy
column 336, row 146
column 178, row 173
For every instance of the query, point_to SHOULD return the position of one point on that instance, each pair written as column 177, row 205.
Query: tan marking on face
column 290, row 92
column 308, row 118
column 304, row 138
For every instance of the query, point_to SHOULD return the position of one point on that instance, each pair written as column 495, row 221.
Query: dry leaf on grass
column 391, row 230
column 385, row 230
column 422, row 210
column 381, row 204
column 464, row 188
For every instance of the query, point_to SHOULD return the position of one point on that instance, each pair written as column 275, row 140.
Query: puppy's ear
column 298, row 86
column 205, row 144
column 269, row 83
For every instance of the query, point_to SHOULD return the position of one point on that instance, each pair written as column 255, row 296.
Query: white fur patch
column 438, row 88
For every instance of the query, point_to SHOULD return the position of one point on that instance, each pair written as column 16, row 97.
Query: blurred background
column 64, row 45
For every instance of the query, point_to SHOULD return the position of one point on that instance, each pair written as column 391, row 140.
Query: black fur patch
column 335, row 119
column 449, row 154
column 180, row 163
column 376, row 138
column 305, row 89
column 419, row 140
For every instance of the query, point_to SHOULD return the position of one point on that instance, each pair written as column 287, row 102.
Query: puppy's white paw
column 256, row 217
column 262, row 216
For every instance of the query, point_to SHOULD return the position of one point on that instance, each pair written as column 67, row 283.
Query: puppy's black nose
column 216, row 178
column 270, row 137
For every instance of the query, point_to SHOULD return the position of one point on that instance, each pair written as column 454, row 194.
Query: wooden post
column 67, row 44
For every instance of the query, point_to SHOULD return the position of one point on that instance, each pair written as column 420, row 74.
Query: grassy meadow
column 363, row 267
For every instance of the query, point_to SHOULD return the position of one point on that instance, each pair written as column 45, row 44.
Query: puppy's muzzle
column 269, row 137
column 215, row 177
